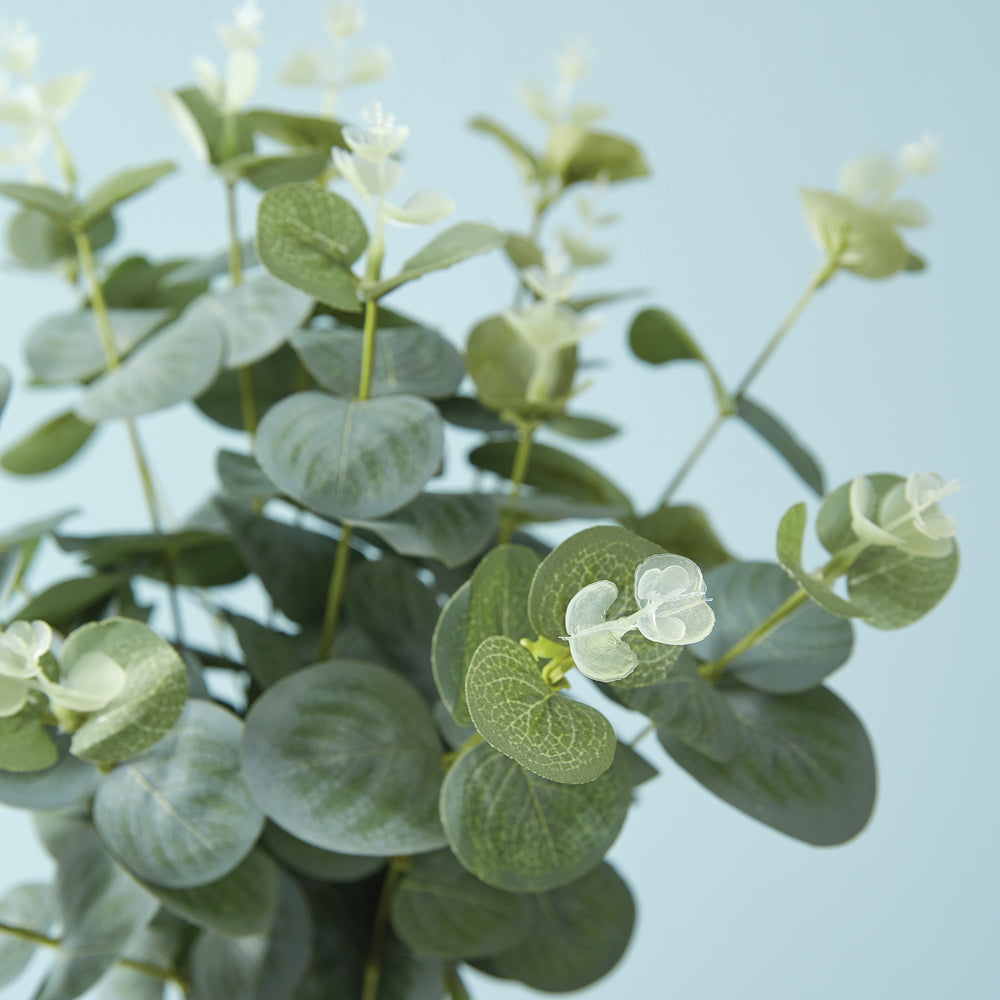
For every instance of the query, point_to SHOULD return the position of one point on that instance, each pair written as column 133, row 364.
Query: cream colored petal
column 421, row 208
column 13, row 696
column 90, row 683
column 590, row 605
column 303, row 68
column 602, row 656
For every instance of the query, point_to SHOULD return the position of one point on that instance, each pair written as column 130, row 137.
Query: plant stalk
column 519, row 469
column 376, row 950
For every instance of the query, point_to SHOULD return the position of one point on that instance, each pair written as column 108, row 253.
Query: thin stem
column 816, row 282
column 519, row 469
column 335, row 592
column 376, row 950
column 642, row 734
column 455, row 987
column 368, row 350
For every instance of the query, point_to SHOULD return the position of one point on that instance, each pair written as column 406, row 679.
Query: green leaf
column 604, row 155
column 451, row 527
column 327, row 866
column 467, row 239
column 4, row 386
column 582, row 428
column 265, row 171
column 68, row 348
column 59, row 207
column 890, row 587
column 637, row 769
column 123, row 185
column 440, row 910
column 591, row 919
column 346, row 757
column 688, row 707
column 601, row 553
column 685, row 530
column 349, row 459
column 32, row 907
column 38, row 242
column 65, row 603
column 100, row 909
column 150, row 702
column 178, row 363
column 267, row 966
column 448, row 653
column 498, row 599
column 243, row 479
column 181, row 815
column 524, row 159
column 239, row 904
column 465, row 411
column 66, row 782
column 804, row 765
column 518, row 831
column 778, row 436
column 25, row 745
column 409, row 359
column 293, row 564
column 270, row 654
column 310, row 237
column 860, row 239
column 517, row 713
column 137, row 283
column 657, row 336
column 297, row 130
column 47, row 447
column 797, row 654
column 791, row 532
column 553, row 471
column 160, row 944
column 223, row 138
column 523, row 251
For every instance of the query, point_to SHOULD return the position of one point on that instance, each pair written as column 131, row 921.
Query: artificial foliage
column 402, row 780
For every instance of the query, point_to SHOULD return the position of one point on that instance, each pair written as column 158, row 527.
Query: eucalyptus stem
column 455, row 987
column 146, row 968
column 821, row 276
column 368, row 350
column 248, row 408
column 376, row 950
column 642, row 734
column 522, row 458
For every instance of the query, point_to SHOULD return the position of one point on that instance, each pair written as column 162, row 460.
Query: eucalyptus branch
column 455, row 987
column 522, row 458
column 376, row 949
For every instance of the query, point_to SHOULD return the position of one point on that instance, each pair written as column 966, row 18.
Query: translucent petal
column 343, row 20
column 91, row 682
column 186, row 123
column 209, row 81
column 367, row 65
column 589, row 606
column 659, row 624
column 421, row 208
column 241, row 78
column 59, row 94
column 869, row 179
column 13, row 696
column 861, row 500
column 537, row 101
column 922, row 156
column 666, row 574
column 601, row 655
column 906, row 212
column 304, row 68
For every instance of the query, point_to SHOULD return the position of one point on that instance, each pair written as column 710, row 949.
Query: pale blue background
column 736, row 104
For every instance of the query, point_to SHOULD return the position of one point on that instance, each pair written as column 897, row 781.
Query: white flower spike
column 673, row 609
column 908, row 516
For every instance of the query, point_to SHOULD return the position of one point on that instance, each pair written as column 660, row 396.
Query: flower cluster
column 241, row 37
column 673, row 609
column 907, row 517
column 85, row 685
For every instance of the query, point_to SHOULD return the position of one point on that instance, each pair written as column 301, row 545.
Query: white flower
column 21, row 647
column 241, row 37
column 551, row 282
column 381, row 136
column 923, row 155
column 344, row 20
column 908, row 516
column 243, row 32
column 673, row 609
column 18, row 48
column 85, row 685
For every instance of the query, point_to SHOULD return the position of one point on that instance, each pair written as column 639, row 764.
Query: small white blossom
column 230, row 92
column 243, row 32
column 21, row 647
column 87, row 684
column 380, row 138
column 551, row 282
column 908, row 516
column 344, row 20
column 673, row 609
column 18, row 48
column 923, row 155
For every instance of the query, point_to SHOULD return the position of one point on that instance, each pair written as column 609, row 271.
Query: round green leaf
column 657, row 336
column 804, row 765
column 796, row 655
column 327, row 866
column 181, row 815
column 601, row 553
column 440, row 910
column 573, row 935
column 310, row 237
column 350, row 459
column 518, row 831
column 148, row 705
column 448, row 658
column 517, row 712
column 601, row 154
column 25, row 745
column 344, row 755
column 47, row 447
column 67, row 781
column 408, row 359
column 179, row 363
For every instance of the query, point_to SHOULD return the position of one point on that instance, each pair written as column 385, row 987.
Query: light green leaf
column 327, row 866
column 440, row 910
column 310, row 237
column 526, row 161
column 181, row 815
column 66, row 782
column 47, row 447
column 804, row 765
column 685, row 530
column 408, row 359
column 267, row 966
column 582, row 428
column 150, row 702
column 467, row 239
column 797, row 654
column 38, row 242
column 269, row 171
column 25, row 745
column 657, row 336
column 123, row 185
column 523, row 251
column 350, row 459
column 67, row 348
column 222, row 139
column 604, row 155
column 518, row 831
column 451, row 527
column 591, row 919
column 178, row 363
column 239, row 904
column 346, row 757
column 158, row 944
column 448, row 656
column 601, row 553
column 517, row 713
column 32, row 907
column 297, row 130
column 791, row 532
column 59, row 207
column 799, row 459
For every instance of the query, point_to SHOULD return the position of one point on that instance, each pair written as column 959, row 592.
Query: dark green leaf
column 657, row 336
column 583, row 428
column 327, row 866
column 69, row 602
column 268, row 171
column 297, row 130
column 448, row 654
column 604, row 155
column 525, row 160
column 685, row 530
column 783, row 442
column 59, row 207
column 48, row 447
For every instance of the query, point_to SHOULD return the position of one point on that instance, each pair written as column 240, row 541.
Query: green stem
column 455, row 987
column 822, row 275
column 335, row 592
column 519, row 469
column 642, row 734
column 450, row 759
column 146, row 968
column 368, row 350
column 376, row 950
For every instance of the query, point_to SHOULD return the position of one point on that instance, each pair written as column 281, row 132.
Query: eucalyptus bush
column 400, row 781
